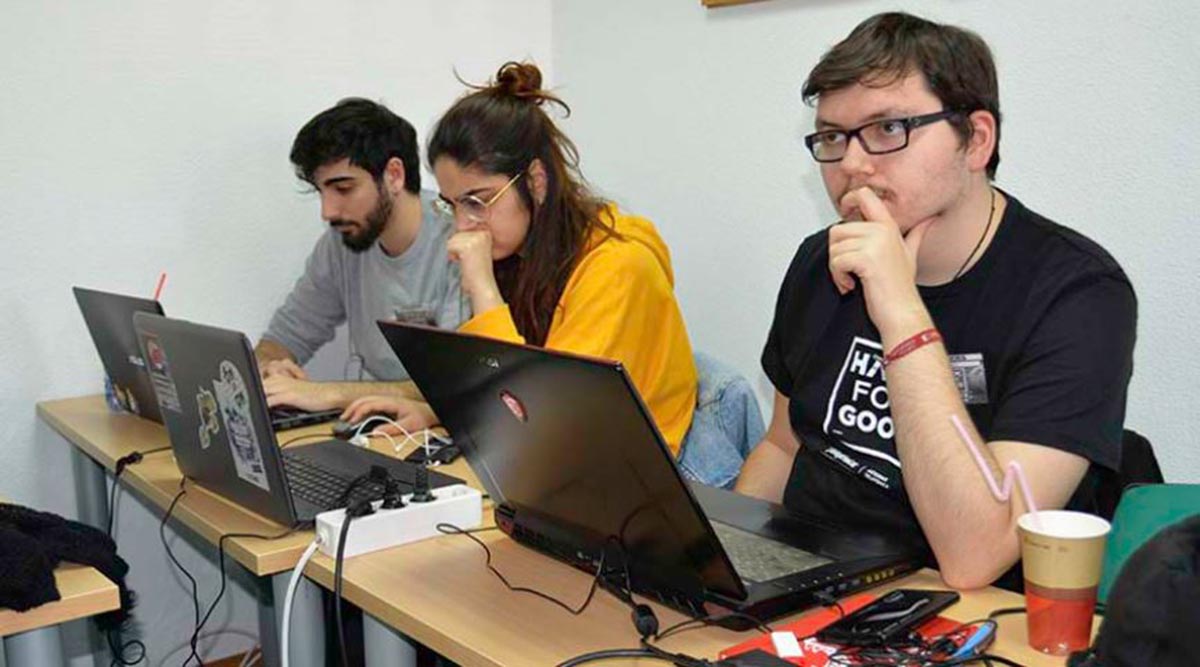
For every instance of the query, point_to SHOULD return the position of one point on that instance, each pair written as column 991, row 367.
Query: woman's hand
column 473, row 252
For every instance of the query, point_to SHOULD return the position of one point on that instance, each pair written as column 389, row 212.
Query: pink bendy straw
column 162, row 278
column 1012, row 470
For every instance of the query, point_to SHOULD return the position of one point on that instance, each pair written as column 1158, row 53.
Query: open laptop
column 578, row 470
column 208, row 390
column 109, row 319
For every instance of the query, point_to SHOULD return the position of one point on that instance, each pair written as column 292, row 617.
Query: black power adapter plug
column 644, row 620
column 421, row 491
column 391, row 495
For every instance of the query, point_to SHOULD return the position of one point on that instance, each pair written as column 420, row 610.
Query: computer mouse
column 343, row 430
column 346, row 430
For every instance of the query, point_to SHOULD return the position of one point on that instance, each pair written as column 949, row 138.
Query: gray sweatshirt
column 339, row 285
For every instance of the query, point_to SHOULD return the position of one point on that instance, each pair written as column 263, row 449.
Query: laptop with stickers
column 578, row 469
column 207, row 387
column 109, row 319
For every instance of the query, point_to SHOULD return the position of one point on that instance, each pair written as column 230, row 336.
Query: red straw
column 162, row 278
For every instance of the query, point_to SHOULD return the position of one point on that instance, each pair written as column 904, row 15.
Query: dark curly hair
column 366, row 133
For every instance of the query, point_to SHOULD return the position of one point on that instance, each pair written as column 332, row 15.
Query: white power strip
column 458, row 505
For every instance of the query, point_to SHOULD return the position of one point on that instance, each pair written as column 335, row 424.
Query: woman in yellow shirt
column 545, row 262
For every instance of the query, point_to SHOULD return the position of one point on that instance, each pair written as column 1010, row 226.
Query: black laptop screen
column 567, row 440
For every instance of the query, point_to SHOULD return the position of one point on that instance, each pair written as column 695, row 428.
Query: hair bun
column 521, row 80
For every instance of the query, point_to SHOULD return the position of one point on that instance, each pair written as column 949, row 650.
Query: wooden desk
column 32, row 638
column 100, row 433
column 104, row 436
column 471, row 618
column 468, row 616
column 100, row 437
column 85, row 592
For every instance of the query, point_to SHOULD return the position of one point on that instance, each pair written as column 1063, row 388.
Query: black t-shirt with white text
column 1040, row 335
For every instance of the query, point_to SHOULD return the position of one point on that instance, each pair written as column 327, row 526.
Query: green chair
column 1143, row 511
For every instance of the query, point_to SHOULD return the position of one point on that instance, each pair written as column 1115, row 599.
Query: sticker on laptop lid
column 234, row 402
column 514, row 405
column 160, row 374
column 210, row 423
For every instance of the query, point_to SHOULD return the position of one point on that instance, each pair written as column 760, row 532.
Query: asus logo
column 490, row 362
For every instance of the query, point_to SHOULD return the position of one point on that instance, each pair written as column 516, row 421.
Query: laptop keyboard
column 322, row 487
column 757, row 558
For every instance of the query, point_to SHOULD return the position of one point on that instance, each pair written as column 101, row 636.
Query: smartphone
column 439, row 453
column 888, row 619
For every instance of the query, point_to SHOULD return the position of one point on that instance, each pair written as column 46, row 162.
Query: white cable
column 388, row 420
column 250, row 657
column 408, row 437
column 293, row 583
column 380, row 434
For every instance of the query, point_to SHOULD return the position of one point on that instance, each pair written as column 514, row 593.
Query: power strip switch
column 458, row 505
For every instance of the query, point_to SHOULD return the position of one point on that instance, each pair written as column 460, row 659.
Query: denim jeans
column 727, row 424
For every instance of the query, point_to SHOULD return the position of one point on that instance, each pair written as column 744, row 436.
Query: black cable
column 112, row 506
column 681, row 659
column 117, row 648
column 983, row 657
column 118, row 468
column 221, row 566
column 195, row 594
column 711, row 619
column 451, row 529
column 611, row 654
column 607, row 654
column 919, row 652
column 1005, row 612
column 362, row 508
column 345, row 499
column 647, row 651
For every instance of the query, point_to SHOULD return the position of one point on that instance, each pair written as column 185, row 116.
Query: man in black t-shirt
column 938, row 296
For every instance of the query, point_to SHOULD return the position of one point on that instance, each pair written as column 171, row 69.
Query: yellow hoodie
column 619, row 303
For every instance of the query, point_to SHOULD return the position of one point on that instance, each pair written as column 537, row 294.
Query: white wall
column 693, row 117
column 143, row 136
column 155, row 136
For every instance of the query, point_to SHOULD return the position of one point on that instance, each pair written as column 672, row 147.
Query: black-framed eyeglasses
column 877, row 137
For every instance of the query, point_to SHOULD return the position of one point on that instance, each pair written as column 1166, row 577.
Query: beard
column 376, row 220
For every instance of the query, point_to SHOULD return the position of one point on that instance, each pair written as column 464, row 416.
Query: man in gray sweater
column 384, row 257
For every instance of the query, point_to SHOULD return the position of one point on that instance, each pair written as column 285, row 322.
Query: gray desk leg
column 307, row 634
column 34, row 648
column 384, row 646
column 91, row 502
column 91, row 489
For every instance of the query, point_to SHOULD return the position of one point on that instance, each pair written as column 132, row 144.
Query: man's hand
column 876, row 254
column 411, row 415
column 473, row 251
column 283, row 368
column 303, row 394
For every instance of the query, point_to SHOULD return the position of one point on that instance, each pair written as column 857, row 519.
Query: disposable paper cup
column 1061, row 556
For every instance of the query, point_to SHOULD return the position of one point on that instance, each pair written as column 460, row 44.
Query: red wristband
column 908, row 345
